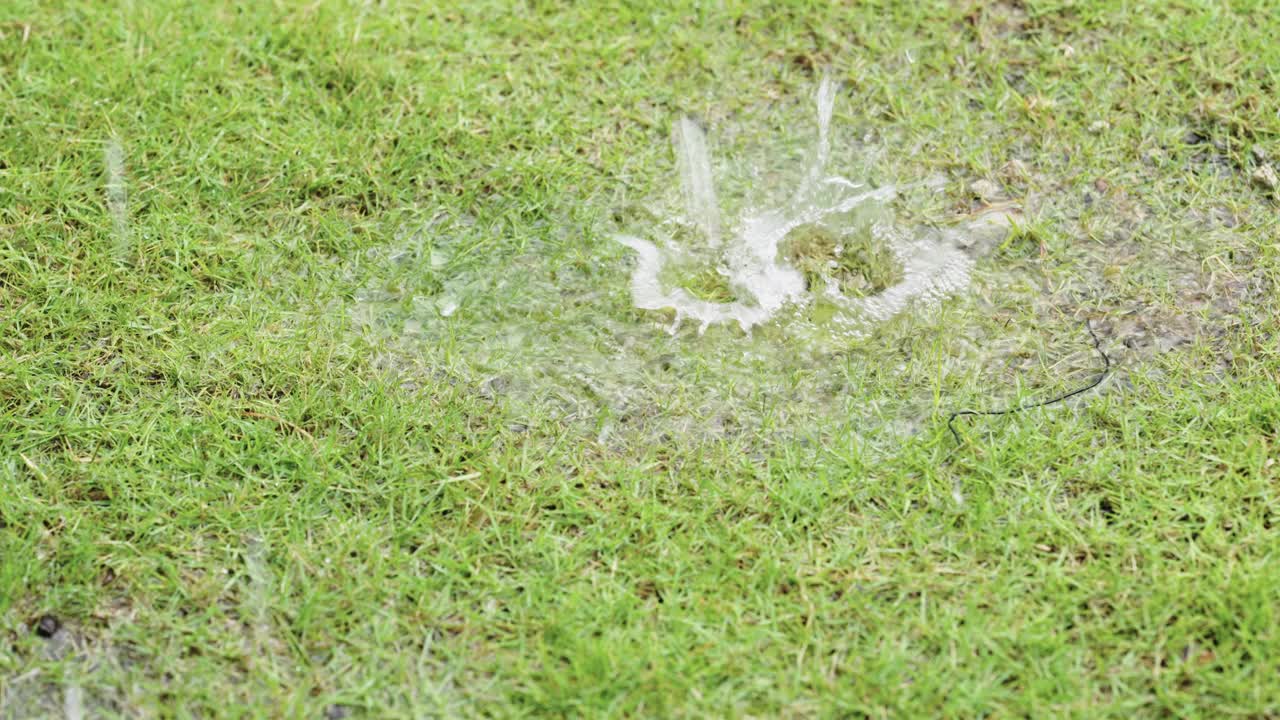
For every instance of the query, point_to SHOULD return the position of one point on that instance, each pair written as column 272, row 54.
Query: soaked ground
column 327, row 384
column 610, row 346
column 617, row 346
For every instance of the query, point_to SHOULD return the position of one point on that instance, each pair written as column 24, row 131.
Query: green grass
column 703, row 283
column 859, row 263
column 245, row 487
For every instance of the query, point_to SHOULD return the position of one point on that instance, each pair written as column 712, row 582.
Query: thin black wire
column 1106, row 370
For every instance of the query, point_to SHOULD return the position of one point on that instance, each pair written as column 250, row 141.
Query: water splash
column 763, row 282
column 826, row 100
column 549, row 334
column 695, row 179
column 117, row 195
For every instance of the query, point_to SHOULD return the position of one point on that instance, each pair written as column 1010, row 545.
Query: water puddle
column 796, row 301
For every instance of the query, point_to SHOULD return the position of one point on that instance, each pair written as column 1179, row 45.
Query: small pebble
column 1265, row 176
column 337, row 712
column 1194, row 138
column 985, row 190
column 1014, row 170
column 1099, row 127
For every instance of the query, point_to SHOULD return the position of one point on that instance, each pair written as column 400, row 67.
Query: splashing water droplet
column 695, row 179
column 117, row 195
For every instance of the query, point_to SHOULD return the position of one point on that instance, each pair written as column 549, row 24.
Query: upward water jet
column 117, row 195
column 695, row 179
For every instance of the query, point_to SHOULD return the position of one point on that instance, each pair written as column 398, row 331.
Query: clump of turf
column 696, row 272
column 860, row 264
column 702, row 282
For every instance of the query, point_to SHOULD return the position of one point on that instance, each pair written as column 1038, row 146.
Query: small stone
column 337, row 712
column 1259, row 153
column 1223, row 217
column 985, row 190
column 936, row 182
column 984, row 233
column 1099, row 126
column 1101, row 185
column 1014, row 170
column 47, row 626
column 1265, row 176
column 1194, row 138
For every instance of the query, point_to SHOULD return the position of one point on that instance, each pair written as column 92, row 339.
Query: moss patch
column 701, row 281
column 861, row 264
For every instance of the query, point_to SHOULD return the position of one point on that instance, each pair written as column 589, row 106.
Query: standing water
column 810, row 269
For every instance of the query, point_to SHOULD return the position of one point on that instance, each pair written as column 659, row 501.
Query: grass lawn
column 322, row 395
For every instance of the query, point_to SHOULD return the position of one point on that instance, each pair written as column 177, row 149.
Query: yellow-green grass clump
column 859, row 263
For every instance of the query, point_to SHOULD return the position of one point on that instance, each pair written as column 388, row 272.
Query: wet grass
column 234, row 503
column 702, row 282
column 858, row 262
